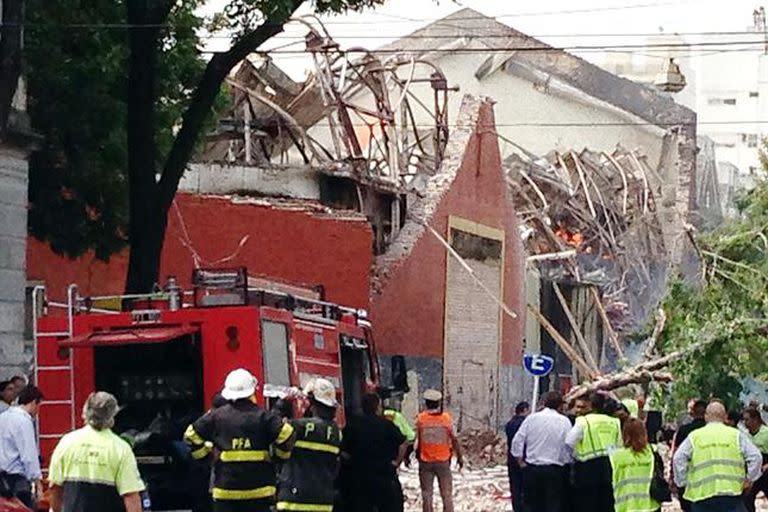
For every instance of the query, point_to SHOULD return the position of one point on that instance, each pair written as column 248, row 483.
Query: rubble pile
column 595, row 218
column 483, row 490
column 483, row 448
column 474, row 490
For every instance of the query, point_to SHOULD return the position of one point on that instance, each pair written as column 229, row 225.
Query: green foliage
column 76, row 53
column 729, row 303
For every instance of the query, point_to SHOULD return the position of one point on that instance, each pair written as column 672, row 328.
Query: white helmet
column 239, row 384
column 323, row 391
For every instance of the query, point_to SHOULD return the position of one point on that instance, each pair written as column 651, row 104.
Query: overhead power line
column 546, row 48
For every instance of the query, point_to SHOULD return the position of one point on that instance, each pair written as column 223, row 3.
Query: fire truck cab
column 165, row 355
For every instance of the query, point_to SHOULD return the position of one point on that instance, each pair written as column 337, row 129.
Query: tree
column 729, row 305
column 76, row 54
column 159, row 141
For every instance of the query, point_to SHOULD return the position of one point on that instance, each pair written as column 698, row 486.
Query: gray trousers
column 428, row 471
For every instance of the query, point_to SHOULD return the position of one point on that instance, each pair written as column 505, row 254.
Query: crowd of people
column 596, row 457
column 293, row 456
column 593, row 457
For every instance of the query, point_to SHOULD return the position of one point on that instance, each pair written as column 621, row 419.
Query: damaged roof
column 468, row 29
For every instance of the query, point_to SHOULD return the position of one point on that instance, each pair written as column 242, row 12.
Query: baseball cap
column 239, row 384
column 433, row 395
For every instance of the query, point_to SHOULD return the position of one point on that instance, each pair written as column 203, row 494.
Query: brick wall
column 298, row 242
column 408, row 292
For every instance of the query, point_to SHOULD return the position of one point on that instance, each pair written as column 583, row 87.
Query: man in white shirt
column 540, row 448
column 7, row 394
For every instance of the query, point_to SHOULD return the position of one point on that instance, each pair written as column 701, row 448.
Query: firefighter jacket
column 243, row 433
column 306, row 481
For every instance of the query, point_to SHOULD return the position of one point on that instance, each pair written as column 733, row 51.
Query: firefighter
column 436, row 444
column 306, row 481
column 243, row 433
column 397, row 418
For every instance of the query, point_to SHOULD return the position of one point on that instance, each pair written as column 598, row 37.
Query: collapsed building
column 377, row 179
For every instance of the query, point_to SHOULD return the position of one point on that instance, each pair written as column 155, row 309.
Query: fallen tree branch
column 566, row 347
column 640, row 374
column 653, row 341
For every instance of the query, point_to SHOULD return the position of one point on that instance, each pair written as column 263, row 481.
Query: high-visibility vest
column 717, row 467
column 401, row 423
column 434, row 435
column 632, row 406
column 601, row 433
column 632, row 475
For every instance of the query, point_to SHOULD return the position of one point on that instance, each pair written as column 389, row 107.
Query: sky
column 557, row 22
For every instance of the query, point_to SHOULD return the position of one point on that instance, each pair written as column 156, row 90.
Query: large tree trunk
column 150, row 200
column 147, row 229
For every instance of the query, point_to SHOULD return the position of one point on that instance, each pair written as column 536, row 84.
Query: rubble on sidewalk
column 483, row 490
column 483, row 449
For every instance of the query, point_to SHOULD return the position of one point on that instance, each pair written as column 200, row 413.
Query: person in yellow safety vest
column 243, row 433
column 633, row 468
column 591, row 438
column 92, row 468
column 711, row 462
column 632, row 406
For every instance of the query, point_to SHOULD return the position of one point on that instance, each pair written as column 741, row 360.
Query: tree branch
column 653, row 341
column 641, row 373
column 203, row 99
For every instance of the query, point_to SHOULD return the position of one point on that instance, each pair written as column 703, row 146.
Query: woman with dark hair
column 633, row 469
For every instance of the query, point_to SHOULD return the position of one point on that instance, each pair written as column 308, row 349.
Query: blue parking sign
column 538, row 365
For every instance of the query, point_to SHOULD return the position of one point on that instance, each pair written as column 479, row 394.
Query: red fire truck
column 165, row 355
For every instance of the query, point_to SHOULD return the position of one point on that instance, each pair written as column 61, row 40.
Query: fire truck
column 165, row 355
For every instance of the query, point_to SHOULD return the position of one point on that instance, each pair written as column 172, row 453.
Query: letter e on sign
column 538, row 365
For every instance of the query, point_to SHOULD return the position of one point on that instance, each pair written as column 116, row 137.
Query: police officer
column 436, row 445
column 92, row 469
column 591, row 438
column 307, row 478
column 710, row 464
column 243, row 433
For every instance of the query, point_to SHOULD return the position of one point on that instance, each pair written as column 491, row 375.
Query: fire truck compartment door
column 129, row 336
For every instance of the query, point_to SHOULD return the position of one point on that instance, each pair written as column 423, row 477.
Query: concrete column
column 14, row 357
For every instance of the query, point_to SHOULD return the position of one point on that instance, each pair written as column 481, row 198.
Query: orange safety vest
column 434, row 431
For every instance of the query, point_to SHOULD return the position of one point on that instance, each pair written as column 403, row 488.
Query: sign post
column 537, row 365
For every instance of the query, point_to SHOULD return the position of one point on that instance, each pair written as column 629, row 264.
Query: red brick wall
column 289, row 244
column 408, row 312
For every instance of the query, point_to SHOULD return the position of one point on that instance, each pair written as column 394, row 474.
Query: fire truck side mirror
column 399, row 374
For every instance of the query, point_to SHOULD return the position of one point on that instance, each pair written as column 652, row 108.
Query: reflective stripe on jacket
column 243, row 434
column 434, row 431
column 632, row 475
column 306, row 480
column 600, row 433
column 717, row 467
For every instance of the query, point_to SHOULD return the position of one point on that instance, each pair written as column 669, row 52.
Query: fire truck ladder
column 40, row 304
